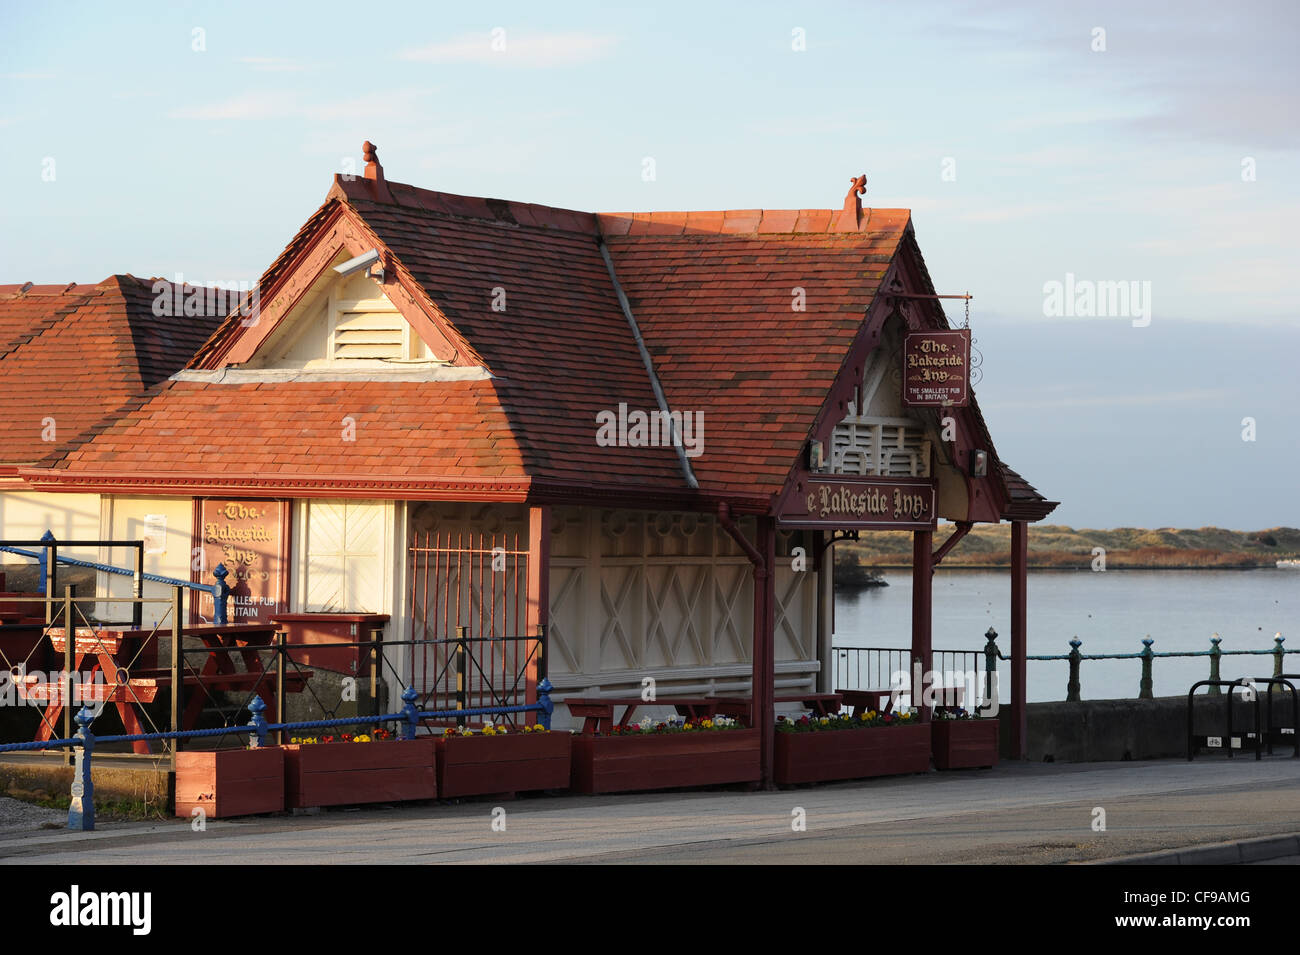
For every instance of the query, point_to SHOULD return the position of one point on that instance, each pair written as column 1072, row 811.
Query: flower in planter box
column 810, row 724
column 678, row 725
column 955, row 713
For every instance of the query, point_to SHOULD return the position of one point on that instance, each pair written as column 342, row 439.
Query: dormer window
column 347, row 325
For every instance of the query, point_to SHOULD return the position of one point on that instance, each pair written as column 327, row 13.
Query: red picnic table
column 128, row 689
column 121, row 689
column 219, row 673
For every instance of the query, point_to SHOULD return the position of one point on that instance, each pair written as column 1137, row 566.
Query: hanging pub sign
column 936, row 369
column 832, row 501
column 250, row 538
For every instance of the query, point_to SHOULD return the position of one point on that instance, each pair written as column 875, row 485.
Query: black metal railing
column 885, row 667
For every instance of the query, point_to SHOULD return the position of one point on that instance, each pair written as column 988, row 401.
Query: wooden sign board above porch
column 830, row 502
column 936, row 369
column 251, row 538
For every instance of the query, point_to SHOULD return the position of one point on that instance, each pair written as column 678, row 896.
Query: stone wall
column 1100, row 730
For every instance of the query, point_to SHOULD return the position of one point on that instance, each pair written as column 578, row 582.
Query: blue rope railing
column 220, row 591
column 113, row 569
column 81, row 810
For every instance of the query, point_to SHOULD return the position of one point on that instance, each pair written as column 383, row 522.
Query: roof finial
column 375, row 172
column 851, row 218
column 370, row 154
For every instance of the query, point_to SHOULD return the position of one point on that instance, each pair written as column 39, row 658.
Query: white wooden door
column 346, row 550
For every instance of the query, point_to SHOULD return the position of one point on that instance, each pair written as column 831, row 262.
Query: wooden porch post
column 825, row 609
column 1019, row 641
column 539, row 591
column 922, row 576
column 764, row 677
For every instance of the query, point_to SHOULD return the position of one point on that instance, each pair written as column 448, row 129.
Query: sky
column 1078, row 144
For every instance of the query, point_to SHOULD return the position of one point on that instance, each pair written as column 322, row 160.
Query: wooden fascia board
column 638, row 497
column 290, row 485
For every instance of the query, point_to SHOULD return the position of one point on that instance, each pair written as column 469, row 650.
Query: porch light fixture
column 979, row 464
column 363, row 260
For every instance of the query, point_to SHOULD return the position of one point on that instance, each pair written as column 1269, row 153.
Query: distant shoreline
column 1057, row 547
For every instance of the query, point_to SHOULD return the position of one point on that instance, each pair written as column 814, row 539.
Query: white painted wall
column 26, row 515
column 128, row 518
column 669, row 596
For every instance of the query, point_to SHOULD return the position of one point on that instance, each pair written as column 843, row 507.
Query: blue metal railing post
column 410, row 716
column 50, row 575
column 1279, row 655
column 544, row 700
column 220, row 595
column 258, row 722
column 81, row 807
column 43, row 565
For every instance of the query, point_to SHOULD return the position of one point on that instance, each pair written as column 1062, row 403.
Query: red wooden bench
column 880, row 699
column 821, row 704
column 597, row 712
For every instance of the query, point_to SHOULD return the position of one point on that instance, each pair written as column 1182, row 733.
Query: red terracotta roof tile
column 77, row 353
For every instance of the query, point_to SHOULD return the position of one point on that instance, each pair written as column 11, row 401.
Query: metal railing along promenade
column 873, row 667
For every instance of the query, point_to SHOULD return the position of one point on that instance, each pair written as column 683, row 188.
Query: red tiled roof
column 77, row 353
column 716, row 311
column 712, row 294
column 333, row 431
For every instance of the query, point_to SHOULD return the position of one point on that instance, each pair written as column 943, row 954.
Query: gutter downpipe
column 624, row 304
column 763, row 681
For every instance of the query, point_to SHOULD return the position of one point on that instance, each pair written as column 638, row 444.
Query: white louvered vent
column 369, row 335
column 372, row 328
column 880, row 447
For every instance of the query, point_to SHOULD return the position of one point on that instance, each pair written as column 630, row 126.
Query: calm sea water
column 1110, row 612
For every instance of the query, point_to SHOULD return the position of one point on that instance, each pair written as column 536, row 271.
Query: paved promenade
column 1016, row 813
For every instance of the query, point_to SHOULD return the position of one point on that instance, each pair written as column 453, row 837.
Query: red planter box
column 965, row 744
column 518, row 762
column 340, row 774
column 607, row 764
column 230, row 782
column 851, row 754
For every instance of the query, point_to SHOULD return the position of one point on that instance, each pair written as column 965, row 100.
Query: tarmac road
column 1015, row 813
